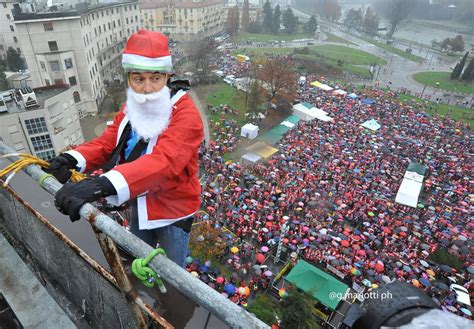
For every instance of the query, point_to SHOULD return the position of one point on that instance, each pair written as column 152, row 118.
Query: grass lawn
column 261, row 37
column 224, row 94
column 445, row 83
column 392, row 49
column 334, row 38
column 347, row 55
column 455, row 112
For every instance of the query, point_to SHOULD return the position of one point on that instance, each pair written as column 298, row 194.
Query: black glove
column 70, row 198
column 60, row 165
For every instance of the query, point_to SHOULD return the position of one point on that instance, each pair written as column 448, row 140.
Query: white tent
column 249, row 158
column 411, row 186
column 307, row 114
column 287, row 124
column 249, row 131
column 339, row 92
column 371, row 124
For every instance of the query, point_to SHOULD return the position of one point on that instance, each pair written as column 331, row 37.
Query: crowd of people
column 333, row 184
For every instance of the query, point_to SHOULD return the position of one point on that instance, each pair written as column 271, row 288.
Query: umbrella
column 204, row 278
column 264, row 249
column 189, row 259
column 470, row 269
column 425, row 282
column 424, row 263
column 445, row 268
column 220, row 279
column 355, row 271
column 204, row 268
column 441, row 285
column 195, row 274
column 268, row 273
column 229, row 288
column 282, row 293
column 207, row 263
column 465, row 311
column 367, row 283
column 241, row 290
column 258, row 271
column 430, row 272
column 407, row 268
column 212, row 285
column 234, row 250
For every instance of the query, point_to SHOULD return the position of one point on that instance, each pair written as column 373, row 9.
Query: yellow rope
column 26, row 160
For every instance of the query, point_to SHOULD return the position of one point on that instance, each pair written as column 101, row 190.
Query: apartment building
column 42, row 122
column 8, row 32
column 184, row 20
column 81, row 48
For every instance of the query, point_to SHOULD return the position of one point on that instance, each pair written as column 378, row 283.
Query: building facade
column 184, row 20
column 8, row 31
column 79, row 48
column 45, row 129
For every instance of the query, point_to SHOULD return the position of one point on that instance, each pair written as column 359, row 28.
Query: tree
column 444, row 45
column 311, row 25
column 468, row 74
column 297, row 311
column 276, row 20
column 331, row 10
column 232, row 26
column 457, row 44
column 290, row 21
column 14, row 61
column 353, row 19
column 255, row 27
column 202, row 54
column 396, row 12
column 459, row 67
column 206, row 242
column 3, row 78
column 280, row 80
column 267, row 17
column 245, row 16
column 371, row 22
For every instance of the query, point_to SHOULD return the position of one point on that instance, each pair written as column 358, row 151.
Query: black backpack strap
column 118, row 149
column 137, row 151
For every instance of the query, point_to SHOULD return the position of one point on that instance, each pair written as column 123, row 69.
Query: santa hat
column 147, row 51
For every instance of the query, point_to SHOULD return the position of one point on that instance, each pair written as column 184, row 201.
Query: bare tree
column 280, row 80
column 202, row 54
column 396, row 12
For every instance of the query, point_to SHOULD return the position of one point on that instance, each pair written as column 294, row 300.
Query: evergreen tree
column 3, row 78
column 14, row 61
column 297, row 311
column 468, row 74
column 290, row 21
column 371, row 22
column 459, row 67
column 276, row 20
column 245, row 16
column 312, row 25
column 267, row 17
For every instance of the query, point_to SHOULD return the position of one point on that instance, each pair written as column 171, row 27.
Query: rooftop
column 66, row 13
column 189, row 4
column 42, row 94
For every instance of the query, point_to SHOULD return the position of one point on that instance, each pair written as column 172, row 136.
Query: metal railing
column 228, row 312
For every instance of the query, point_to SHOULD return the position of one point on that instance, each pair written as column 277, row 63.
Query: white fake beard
column 149, row 114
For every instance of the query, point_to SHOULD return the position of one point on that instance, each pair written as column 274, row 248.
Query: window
column 77, row 97
column 12, row 129
column 43, row 66
column 15, row 39
column 19, row 146
column 36, row 125
column 68, row 63
column 8, row 16
column 54, row 66
column 47, row 155
column 53, row 46
column 72, row 81
column 1, row 47
column 48, row 26
column 18, row 51
column 58, row 81
column 4, row 5
column 47, row 82
column 12, row 28
column 41, row 142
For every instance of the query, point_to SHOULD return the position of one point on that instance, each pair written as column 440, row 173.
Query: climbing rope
column 26, row 160
column 145, row 274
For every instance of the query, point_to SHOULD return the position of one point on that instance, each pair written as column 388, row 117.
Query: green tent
column 293, row 119
column 308, row 105
column 416, row 167
column 317, row 283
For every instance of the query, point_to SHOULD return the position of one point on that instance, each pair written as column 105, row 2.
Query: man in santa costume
column 149, row 153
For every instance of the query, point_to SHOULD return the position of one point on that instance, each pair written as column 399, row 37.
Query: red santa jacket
column 165, row 179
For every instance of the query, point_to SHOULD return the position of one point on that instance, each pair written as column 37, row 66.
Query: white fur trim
column 81, row 161
column 120, row 185
column 145, row 224
column 177, row 96
column 121, row 128
column 138, row 61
